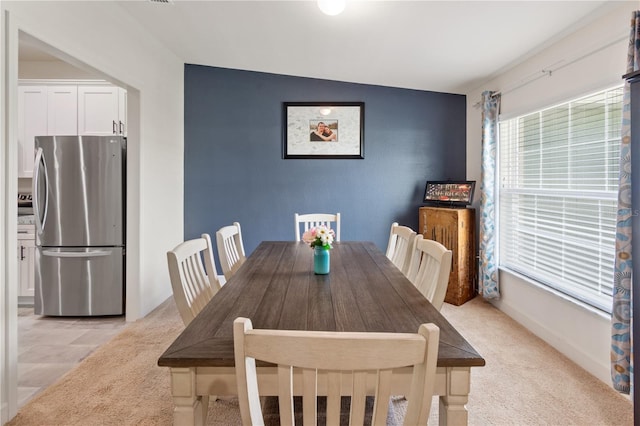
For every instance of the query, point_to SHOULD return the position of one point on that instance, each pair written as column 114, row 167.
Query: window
column 558, row 173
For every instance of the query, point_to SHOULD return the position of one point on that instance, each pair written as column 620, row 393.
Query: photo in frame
column 329, row 130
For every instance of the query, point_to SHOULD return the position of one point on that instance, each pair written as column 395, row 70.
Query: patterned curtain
column 621, row 317
column 488, row 263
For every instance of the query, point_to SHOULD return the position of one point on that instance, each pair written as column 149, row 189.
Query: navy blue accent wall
column 234, row 170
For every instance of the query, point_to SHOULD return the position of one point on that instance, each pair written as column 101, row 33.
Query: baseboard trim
column 4, row 413
column 557, row 341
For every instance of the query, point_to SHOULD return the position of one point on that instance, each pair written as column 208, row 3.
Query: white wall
column 52, row 70
column 100, row 38
column 590, row 59
column 115, row 45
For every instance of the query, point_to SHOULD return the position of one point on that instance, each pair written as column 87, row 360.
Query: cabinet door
column 32, row 121
column 122, row 111
column 97, row 110
column 26, row 267
column 62, row 116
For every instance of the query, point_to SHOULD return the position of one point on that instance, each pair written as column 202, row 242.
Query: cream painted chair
column 331, row 355
column 307, row 221
column 429, row 269
column 401, row 244
column 230, row 249
column 193, row 276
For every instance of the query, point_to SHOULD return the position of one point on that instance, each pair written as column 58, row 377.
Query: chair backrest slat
column 359, row 397
column 334, row 398
column 381, row 409
column 285, row 390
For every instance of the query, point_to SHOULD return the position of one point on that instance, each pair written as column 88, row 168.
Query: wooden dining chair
column 193, row 276
column 401, row 243
column 308, row 221
column 331, row 355
column 429, row 269
column 230, row 249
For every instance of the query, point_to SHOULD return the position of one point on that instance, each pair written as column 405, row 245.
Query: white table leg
column 453, row 410
column 190, row 409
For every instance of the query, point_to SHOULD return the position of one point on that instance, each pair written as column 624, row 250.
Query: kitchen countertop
column 26, row 219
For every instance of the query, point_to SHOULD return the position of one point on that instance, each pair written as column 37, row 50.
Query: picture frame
column 454, row 193
column 329, row 130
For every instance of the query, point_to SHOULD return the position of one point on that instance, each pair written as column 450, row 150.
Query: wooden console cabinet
column 455, row 229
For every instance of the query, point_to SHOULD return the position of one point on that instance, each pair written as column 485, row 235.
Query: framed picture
column 323, row 130
column 448, row 192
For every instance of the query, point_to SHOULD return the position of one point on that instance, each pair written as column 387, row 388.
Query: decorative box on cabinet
column 455, row 229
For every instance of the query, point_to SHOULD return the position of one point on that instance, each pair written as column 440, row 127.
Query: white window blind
column 558, row 173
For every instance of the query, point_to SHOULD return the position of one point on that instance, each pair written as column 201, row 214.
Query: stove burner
column 24, row 201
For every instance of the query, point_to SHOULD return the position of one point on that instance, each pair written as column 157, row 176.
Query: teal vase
column 321, row 260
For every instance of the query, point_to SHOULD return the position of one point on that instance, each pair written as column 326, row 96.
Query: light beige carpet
column 525, row 381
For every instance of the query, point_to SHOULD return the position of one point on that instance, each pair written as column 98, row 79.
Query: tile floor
column 48, row 347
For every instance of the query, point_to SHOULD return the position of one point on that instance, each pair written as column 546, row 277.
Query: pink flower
column 309, row 236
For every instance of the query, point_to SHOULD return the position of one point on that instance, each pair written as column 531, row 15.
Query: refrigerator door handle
column 40, row 216
column 88, row 253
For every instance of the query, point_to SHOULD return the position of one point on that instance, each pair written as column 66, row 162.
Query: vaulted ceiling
column 445, row 46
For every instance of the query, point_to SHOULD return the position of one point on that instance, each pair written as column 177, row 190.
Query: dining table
column 277, row 288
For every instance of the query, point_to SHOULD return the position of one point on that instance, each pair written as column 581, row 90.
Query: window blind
column 557, row 197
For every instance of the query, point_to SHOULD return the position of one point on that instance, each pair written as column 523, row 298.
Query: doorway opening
column 39, row 61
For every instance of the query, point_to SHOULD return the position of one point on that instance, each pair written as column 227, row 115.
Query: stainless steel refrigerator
column 79, row 187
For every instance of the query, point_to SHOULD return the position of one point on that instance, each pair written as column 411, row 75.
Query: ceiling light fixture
column 332, row 7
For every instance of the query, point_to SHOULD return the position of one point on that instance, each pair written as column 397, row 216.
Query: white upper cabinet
column 59, row 108
column 32, row 121
column 99, row 110
column 62, row 114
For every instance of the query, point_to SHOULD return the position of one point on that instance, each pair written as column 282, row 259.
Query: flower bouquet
column 320, row 236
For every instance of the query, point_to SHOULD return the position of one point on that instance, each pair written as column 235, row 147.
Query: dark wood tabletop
column 277, row 289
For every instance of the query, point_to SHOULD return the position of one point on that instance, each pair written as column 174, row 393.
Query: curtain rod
column 548, row 71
